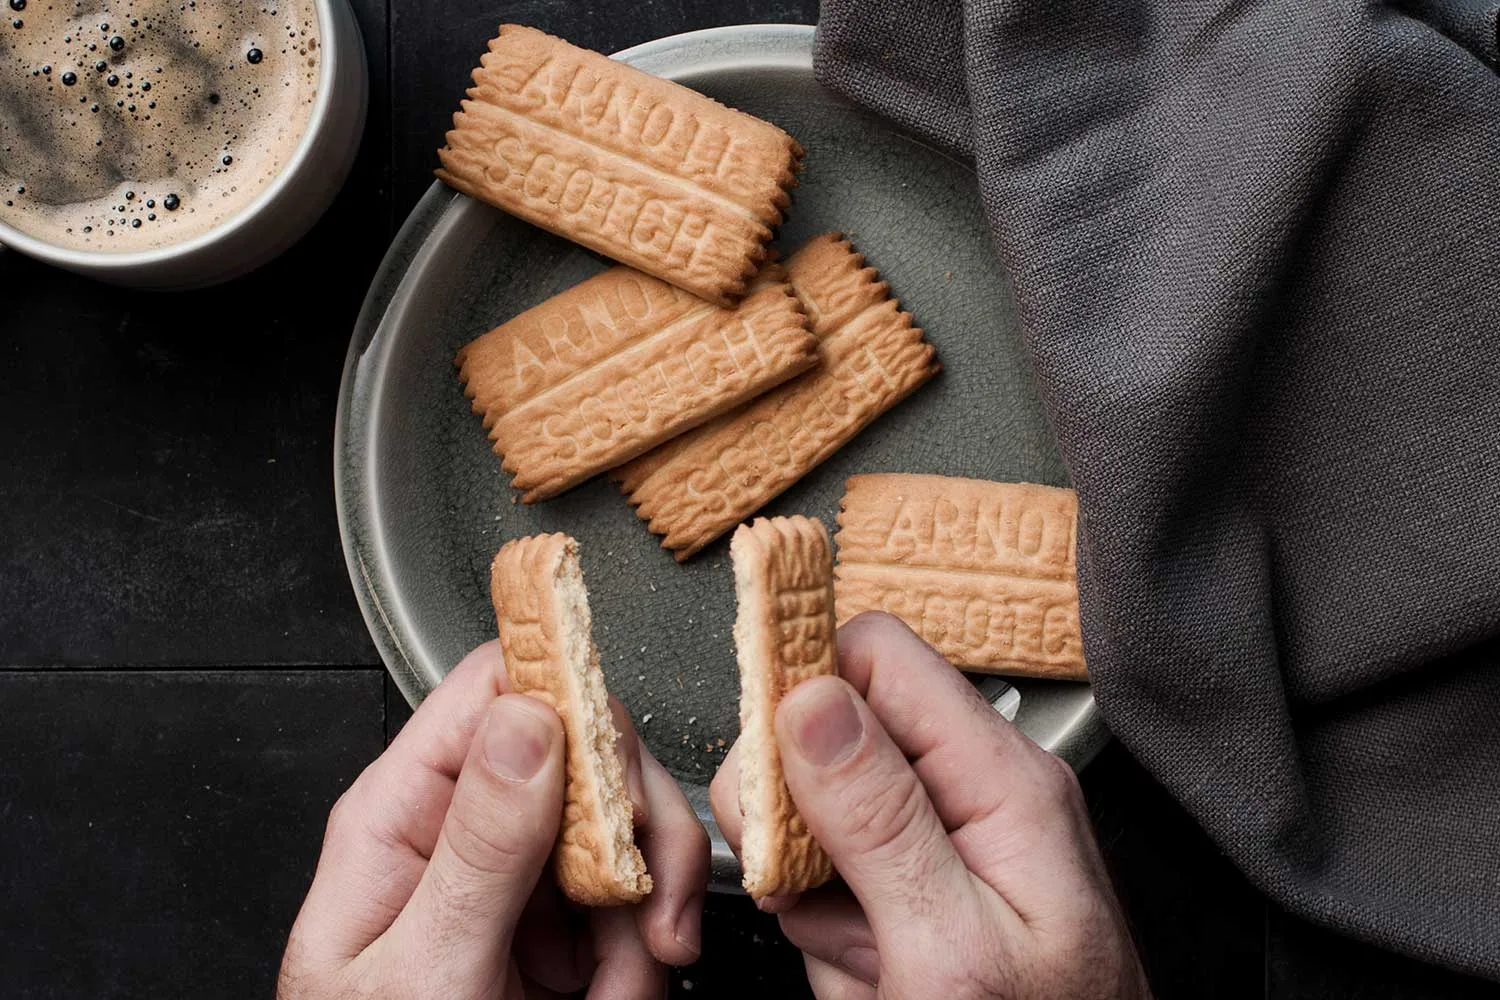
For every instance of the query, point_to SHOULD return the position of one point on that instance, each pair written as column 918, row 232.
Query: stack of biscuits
column 705, row 375
column 700, row 374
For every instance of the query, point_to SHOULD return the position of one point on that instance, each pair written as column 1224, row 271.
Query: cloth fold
column 1256, row 249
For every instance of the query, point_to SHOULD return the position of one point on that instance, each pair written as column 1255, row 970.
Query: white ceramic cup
column 281, row 214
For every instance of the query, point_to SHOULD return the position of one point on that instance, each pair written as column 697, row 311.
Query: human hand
column 434, row 878
column 970, row 865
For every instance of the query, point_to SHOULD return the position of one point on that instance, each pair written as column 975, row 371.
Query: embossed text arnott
column 995, row 530
column 646, row 171
column 984, row 571
column 704, row 483
column 619, row 364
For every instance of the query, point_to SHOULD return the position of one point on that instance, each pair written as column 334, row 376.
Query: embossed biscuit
column 983, row 571
column 542, row 610
column 783, row 635
column 620, row 363
column 640, row 169
column 701, row 484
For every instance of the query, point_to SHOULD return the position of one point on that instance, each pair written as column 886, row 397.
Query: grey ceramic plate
column 423, row 504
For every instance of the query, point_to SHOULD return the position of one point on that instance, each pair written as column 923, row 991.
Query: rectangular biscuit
column 640, row 169
column 620, row 363
column 983, row 571
column 542, row 610
column 783, row 635
column 700, row 485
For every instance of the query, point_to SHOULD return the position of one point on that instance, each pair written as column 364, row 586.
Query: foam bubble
column 170, row 106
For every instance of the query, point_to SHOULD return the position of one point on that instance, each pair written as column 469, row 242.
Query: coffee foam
column 133, row 124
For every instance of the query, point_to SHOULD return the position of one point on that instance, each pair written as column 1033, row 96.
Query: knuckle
column 1060, row 778
column 486, row 848
column 676, row 821
column 300, row 978
column 341, row 818
column 292, row 978
column 880, row 814
column 694, row 837
column 462, row 900
column 981, row 983
column 970, row 974
column 1091, row 955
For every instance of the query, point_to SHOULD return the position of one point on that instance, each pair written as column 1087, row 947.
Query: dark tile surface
column 431, row 57
column 744, row 955
column 166, row 467
column 159, row 829
column 1304, row 962
column 1198, row 924
column 165, row 473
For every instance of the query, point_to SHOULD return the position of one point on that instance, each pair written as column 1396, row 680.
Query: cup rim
column 106, row 260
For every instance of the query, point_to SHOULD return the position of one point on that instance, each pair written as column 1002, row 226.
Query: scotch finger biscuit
column 620, row 363
column 783, row 635
column 542, row 610
column 640, row 169
column 701, row 484
column 983, row 571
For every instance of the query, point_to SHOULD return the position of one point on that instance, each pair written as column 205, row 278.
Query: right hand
column 971, row 867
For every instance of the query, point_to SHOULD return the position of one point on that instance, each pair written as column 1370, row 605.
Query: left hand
column 434, row 878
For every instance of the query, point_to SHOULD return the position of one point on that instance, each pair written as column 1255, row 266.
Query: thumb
column 866, row 807
column 496, row 839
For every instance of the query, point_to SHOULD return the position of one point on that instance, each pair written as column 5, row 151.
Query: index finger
column 724, row 798
column 676, row 849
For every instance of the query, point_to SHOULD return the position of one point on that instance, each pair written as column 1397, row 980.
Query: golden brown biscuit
column 701, row 484
column 620, row 363
column 983, row 571
column 543, row 613
column 640, row 169
column 783, row 635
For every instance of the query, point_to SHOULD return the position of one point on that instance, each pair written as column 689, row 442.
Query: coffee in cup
column 130, row 125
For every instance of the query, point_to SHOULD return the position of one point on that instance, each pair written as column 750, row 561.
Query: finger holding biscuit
column 676, row 849
column 434, row 870
column 951, row 881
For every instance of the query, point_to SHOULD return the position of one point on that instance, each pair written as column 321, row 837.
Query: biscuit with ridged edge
column 620, row 363
column 701, row 484
column 638, row 168
column 986, row 572
column 783, row 635
column 543, row 614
